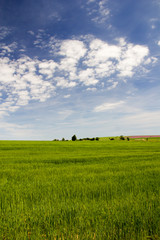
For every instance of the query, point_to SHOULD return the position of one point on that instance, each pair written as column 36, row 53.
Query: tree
column 74, row 138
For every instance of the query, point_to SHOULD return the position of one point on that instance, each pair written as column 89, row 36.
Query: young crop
column 79, row 190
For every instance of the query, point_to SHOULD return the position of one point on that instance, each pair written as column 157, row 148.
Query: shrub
column 122, row 138
column 97, row 138
column 112, row 138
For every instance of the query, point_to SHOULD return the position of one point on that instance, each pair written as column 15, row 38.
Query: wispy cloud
column 6, row 50
column 108, row 106
column 31, row 33
column 18, row 131
column 4, row 32
column 98, row 11
column 114, row 85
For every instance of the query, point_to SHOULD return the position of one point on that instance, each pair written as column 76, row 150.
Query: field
column 84, row 190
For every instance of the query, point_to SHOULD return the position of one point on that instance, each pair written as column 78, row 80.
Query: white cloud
column 72, row 49
column 122, row 42
column 77, row 56
column 114, row 85
column 23, row 98
column 47, row 68
column 21, row 83
column 110, row 59
column 98, row 11
column 4, row 32
column 17, row 131
column 67, row 96
column 31, row 33
column 90, row 1
column 100, row 52
column 88, row 77
column 158, row 43
column 88, row 61
column 62, row 82
column 144, row 119
column 108, row 106
column 7, row 70
column 91, row 89
column 65, row 114
column 131, row 58
column 6, row 50
column 104, row 11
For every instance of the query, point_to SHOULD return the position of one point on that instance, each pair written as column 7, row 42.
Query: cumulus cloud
column 21, row 84
column 63, row 83
column 108, row 106
column 100, row 52
column 121, row 59
column 72, row 49
column 87, row 61
column 131, row 58
column 47, row 68
column 88, row 77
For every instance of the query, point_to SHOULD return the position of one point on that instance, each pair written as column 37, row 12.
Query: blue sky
column 83, row 67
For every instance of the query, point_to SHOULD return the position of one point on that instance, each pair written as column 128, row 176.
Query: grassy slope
column 79, row 190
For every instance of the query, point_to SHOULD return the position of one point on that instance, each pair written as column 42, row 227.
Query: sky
column 84, row 67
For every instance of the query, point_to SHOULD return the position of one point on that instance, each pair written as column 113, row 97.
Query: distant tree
column 63, row 139
column 121, row 137
column 92, row 139
column 128, row 139
column 97, row 138
column 74, row 138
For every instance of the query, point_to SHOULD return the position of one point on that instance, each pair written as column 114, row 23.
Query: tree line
column 74, row 138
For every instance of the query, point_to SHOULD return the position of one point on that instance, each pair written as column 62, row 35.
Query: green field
column 80, row 190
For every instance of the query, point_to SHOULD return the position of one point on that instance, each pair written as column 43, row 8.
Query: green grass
column 80, row 190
